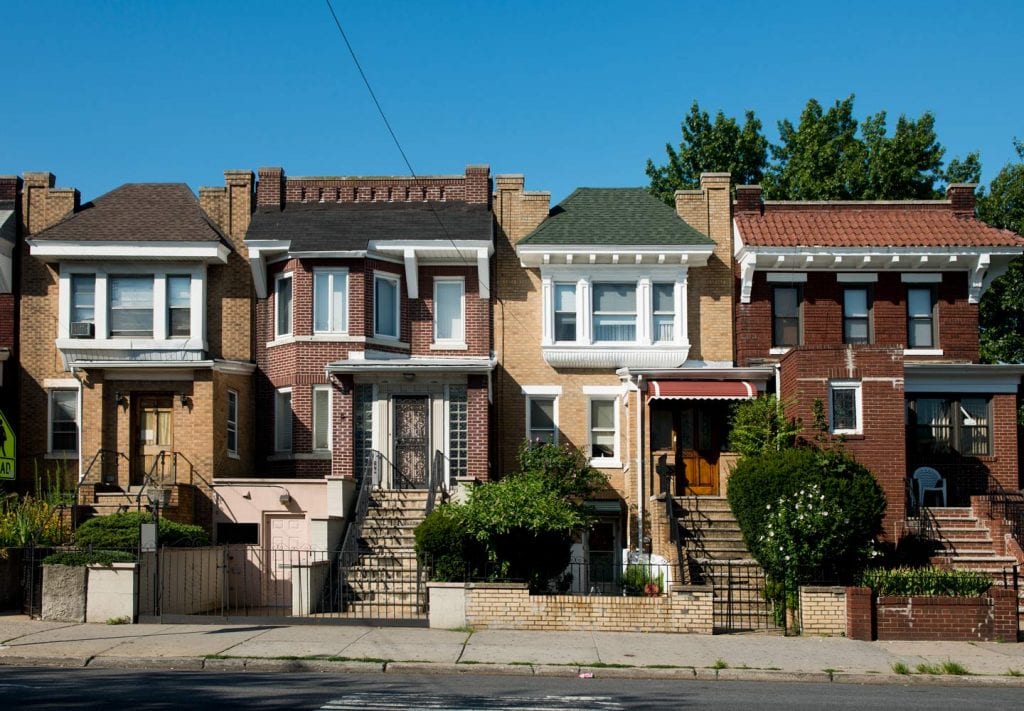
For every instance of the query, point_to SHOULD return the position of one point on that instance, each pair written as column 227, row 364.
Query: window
column 856, row 310
column 458, row 431
column 603, row 432
column 845, row 406
column 920, row 317
column 83, row 305
column 943, row 425
column 449, row 311
column 386, row 304
column 663, row 325
column 786, row 316
column 322, row 417
column 283, row 420
column 541, row 420
column 64, row 421
column 330, row 301
column 232, row 422
column 179, row 305
column 614, row 318
column 565, row 312
column 283, row 305
column 229, row 532
column 131, row 306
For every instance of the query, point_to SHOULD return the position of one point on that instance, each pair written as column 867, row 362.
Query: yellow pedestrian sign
column 7, row 448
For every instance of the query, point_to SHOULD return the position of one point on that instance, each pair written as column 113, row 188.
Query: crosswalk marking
column 382, row 701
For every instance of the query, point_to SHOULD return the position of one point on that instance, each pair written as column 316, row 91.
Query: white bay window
column 330, row 301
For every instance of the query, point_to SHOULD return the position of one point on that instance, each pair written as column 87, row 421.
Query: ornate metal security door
column 412, row 441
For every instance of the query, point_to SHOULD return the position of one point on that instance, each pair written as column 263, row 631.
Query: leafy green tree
column 711, row 146
column 905, row 165
column 761, row 425
column 1002, row 308
column 967, row 170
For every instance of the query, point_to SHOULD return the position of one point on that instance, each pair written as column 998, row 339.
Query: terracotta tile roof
column 867, row 224
column 146, row 212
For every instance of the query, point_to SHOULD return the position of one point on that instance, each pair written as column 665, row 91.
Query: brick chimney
column 9, row 187
column 478, row 184
column 961, row 198
column 748, row 198
column 270, row 188
column 44, row 205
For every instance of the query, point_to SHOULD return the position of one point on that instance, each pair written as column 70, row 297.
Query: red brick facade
column 989, row 618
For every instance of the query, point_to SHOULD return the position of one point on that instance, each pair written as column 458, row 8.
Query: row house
column 372, row 332
column 135, row 344
column 871, row 308
column 614, row 333
column 10, row 188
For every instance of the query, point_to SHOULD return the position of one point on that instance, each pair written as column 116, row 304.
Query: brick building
column 871, row 308
column 10, row 190
column 372, row 326
column 614, row 333
column 135, row 341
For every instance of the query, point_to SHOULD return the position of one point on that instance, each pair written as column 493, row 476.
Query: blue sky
column 568, row 93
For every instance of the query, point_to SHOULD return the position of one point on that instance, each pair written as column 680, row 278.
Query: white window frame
column 49, row 422
column 277, row 421
column 555, row 312
column 330, row 416
column 332, row 275
column 396, row 281
column 637, row 313
column 542, row 392
column 278, row 334
column 167, row 287
column 604, row 394
column 855, row 386
column 458, row 340
column 231, row 425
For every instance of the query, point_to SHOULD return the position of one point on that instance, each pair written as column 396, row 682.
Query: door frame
column 700, row 456
column 427, row 401
column 138, row 402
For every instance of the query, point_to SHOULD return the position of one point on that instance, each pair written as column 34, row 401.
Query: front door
column 412, row 440
column 153, row 433
column 684, row 449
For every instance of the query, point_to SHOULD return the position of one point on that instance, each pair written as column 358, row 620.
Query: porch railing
column 95, row 473
column 348, row 554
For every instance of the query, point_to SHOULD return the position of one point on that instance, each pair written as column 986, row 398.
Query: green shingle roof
column 613, row 216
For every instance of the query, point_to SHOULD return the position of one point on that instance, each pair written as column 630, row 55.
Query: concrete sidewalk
column 346, row 648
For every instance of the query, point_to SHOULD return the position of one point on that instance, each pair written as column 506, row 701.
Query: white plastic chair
column 929, row 480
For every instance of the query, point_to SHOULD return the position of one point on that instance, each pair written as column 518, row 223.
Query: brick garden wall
column 510, row 606
column 823, row 611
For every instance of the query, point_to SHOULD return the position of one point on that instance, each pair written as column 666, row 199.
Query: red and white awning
column 701, row 390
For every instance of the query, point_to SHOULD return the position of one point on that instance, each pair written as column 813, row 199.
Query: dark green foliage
column 641, row 580
column 81, row 558
column 757, row 484
column 564, row 468
column 759, row 425
column 121, row 530
column 907, row 582
column 445, row 545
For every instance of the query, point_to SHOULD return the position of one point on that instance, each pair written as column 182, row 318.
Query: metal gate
column 412, row 440
column 740, row 602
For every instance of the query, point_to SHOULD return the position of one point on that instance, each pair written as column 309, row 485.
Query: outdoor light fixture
column 185, row 399
column 121, row 399
column 285, row 498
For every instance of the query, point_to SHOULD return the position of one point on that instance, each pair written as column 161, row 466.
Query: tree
column 1001, row 312
column 907, row 164
column 719, row 146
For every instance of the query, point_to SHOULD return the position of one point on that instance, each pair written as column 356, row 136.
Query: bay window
column 565, row 312
column 664, row 313
column 330, row 301
column 386, row 304
column 179, row 305
column 283, row 305
column 131, row 306
column 614, row 312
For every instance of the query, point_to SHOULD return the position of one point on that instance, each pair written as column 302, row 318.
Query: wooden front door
column 152, row 433
column 412, row 440
column 684, row 449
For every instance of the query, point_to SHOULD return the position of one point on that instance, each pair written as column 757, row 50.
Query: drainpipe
column 79, row 424
column 639, row 465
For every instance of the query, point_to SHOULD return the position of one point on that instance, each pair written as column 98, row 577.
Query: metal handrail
column 99, row 456
column 435, row 479
column 348, row 554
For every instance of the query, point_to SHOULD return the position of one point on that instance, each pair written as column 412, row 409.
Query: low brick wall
column 509, row 606
column 966, row 619
column 823, row 611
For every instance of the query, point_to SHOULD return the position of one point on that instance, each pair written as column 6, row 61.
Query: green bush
column 81, row 558
column 833, row 539
column 445, row 546
column 637, row 578
column 760, row 425
column 908, row 582
column 121, row 530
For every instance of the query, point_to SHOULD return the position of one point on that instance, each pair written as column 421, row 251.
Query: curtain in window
column 542, row 420
column 934, row 433
column 614, row 312
column 131, row 305
column 448, row 315
column 663, row 304
column 179, row 305
column 83, row 298
column 974, row 426
column 602, row 428
column 565, row 312
column 321, row 418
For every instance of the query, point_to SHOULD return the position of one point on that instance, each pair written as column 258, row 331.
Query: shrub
column 564, row 467
column 913, row 582
column 31, row 520
column 445, row 546
column 829, row 536
column 641, row 580
column 121, row 530
column 760, row 425
column 80, row 558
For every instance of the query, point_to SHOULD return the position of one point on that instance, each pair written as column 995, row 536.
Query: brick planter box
column 988, row 618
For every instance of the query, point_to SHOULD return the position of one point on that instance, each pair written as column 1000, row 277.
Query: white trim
column 396, row 281
column 779, row 350
column 278, row 278
column 532, row 256
column 549, row 390
column 915, row 278
column 278, row 392
column 615, row 461
column 330, row 416
column 458, row 342
column 922, row 351
column 60, row 383
column 603, row 390
column 412, row 282
column 786, row 277
column 53, row 251
column 854, row 385
column 230, row 424
column 857, row 277
column 331, row 274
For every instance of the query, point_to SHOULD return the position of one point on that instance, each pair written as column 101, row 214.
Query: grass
column 954, row 668
column 933, row 669
column 1014, row 672
column 465, row 628
column 900, row 668
column 720, row 664
column 123, row 620
column 607, row 665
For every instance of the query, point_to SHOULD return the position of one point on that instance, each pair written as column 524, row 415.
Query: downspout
column 639, row 465
column 81, row 474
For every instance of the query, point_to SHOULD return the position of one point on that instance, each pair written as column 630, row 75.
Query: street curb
column 13, row 661
column 137, row 663
column 456, row 668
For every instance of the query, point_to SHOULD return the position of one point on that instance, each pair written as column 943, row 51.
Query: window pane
column 283, row 421
column 565, row 327
column 855, row 331
column 614, row 328
column 83, row 298
column 663, row 298
column 131, row 306
column 284, row 306
column 448, row 310
column 855, row 303
column 63, row 420
column 321, row 301
column 615, row 298
column 932, row 432
column 602, row 414
column 386, row 299
column 565, row 297
column 321, row 418
column 844, row 409
column 974, row 428
column 919, row 302
column 921, row 334
column 542, row 414
column 787, row 332
column 664, row 328
column 339, row 308
column 787, row 302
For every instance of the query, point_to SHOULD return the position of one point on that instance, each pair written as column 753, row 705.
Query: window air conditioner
column 81, row 329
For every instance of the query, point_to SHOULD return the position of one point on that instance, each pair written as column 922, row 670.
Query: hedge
column 926, row 582
column 121, row 530
column 82, row 558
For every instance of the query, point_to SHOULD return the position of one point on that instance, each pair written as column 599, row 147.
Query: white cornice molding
column 582, row 256
column 63, row 251
column 605, row 356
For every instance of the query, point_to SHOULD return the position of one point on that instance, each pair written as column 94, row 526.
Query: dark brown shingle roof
column 868, row 225
column 137, row 212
